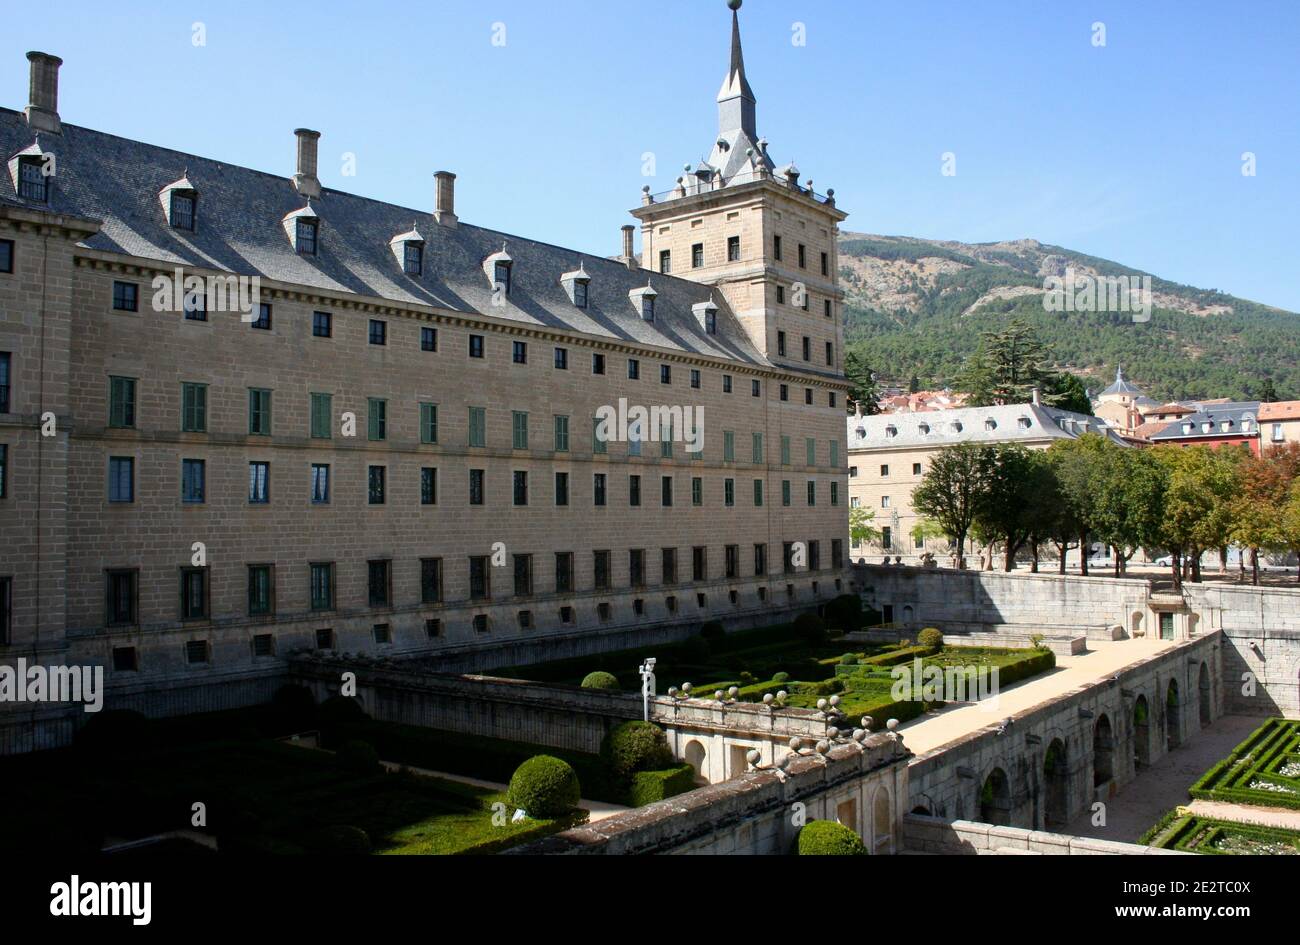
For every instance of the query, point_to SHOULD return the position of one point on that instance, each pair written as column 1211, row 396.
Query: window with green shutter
column 810, row 447
column 785, row 492
column 758, row 447
column 194, row 408
column 561, row 434
column 519, row 429
column 758, row 492
column 785, row 451
column 321, row 416
column 598, row 444
column 428, row 423
column 377, row 418
column 259, row 412
column 728, row 446
column 835, row 453
column 478, row 426
column 121, row 401
column 697, row 491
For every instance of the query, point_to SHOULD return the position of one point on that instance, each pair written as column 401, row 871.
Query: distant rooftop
column 999, row 424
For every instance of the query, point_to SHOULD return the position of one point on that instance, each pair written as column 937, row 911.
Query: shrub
column 116, row 732
column 845, row 613
column 828, row 838
column 343, row 838
column 647, row 787
column 600, row 680
column 358, row 757
column 781, row 677
column 544, row 786
column 635, row 746
column 810, row 628
column 712, row 631
column 747, row 678
column 930, row 637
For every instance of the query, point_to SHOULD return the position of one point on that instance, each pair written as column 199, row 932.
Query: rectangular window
column 306, row 230
column 259, row 483
column 598, row 489
column 814, row 556
column 726, row 383
column 666, row 491
column 476, row 486
column 322, row 325
column 194, row 408
column 121, row 479
column 665, row 261
column 121, row 402
column 636, row 567
column 322, row 587
column 758, row 492
column 756, row 388
column 6, row 255
column 830, row 353
column 428, row 339
column 633, row 369
column 121, row 599
column 519, row 429
column 195, row 306
column 563, row 572
column 519, row 352
column 728, row 446
column 597, row 364
column 697, row 490
column 261, row 590
column 837, row 553
column 810, row 451
column 780, row 345
column 428, row 485
column 320, row 484
column 803, row 256
column 760, row 560
column 259, row 412
column 478, row 426
column 598, row 444
column 776, row 247
column 697, row 255
column 322, row 410
column 377, row 482
column 428, row 423
column 263, row 320
column 600, row 564
column 695, row 379
column 379, row 583
column 835, row 493
column 523, row 575
column 785, row 492
column 699, row 563
column 780, row 295
column 412, row 258
column 732, row 555
column 826, row 264
column 634, row 490
column 665, row 374
column 827, row 310
column 193, row 480
column 669, row 564
column 812, row 492
column 729, row 492
column 733, row 249
column 430, row 580
column 194, row 593
column 807, row 348
column 5, row 364
column 785, row 451
column 126, row 297
column 378, row 332
column 887, row 539
column 501, row 276
column 757, row 446
column 808, row 396
column 580, row 293
column 376, row 418
column 561, row 359
column 520, row 487
column 561, row 488
column 561, row 434
column 835, row 453
column 476, row 346
column 783, row 393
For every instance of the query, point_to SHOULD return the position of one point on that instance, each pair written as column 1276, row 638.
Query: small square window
column 263, row 320
column 433, row 628
column 428, row 339
column 597, row 364
column 6, row 255
column 125, row 659
column 476, row 346
column 325, row 639
column 561, row 359
column 383, row 634
column 126, row 297
column 322, row 324
column 196, row 651
column 378, row 332
column 263, row 644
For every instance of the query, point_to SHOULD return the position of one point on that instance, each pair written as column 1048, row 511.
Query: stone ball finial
column 833, row 732
column 733, row 692
column 859, row 734
column 891, row 724
column 795, row 742
column 753, row 756
column 645, row 189
column 866, row 722
column 686, row 688
column 672, row 691
column 821, row 704
column 781, row 695
column 734, row 5
column 823, row 746
column 717, row 694
column 835, row 700
column 767, row 698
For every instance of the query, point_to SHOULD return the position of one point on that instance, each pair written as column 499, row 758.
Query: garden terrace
column 1264, row 770
column 1193, row 834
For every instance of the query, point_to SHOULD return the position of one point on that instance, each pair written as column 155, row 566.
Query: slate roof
column 936, row 428
column 1121, row 385
column 1236, row 413
column 117, row 180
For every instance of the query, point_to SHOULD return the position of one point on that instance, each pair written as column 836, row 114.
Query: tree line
column 1184, row 501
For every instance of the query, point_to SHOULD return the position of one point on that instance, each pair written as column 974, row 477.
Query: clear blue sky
column 1130, row 152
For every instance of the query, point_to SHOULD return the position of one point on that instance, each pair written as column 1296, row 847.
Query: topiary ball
column 849, row 659
column 635, row 746
column 600, row 680
column 781, row 677
column 544, row 786
column 828, row 838
column 930, row 637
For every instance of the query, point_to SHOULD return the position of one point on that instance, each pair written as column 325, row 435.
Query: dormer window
column 181, row 212
column 644, row 300
column 32, row 180
column 1225, row 426
column 412, row 259
column 707, row 315
column 580, row 294
column 925, row 429
column 957, row 426
column 891, row 430
column 576, row 284
column 1025, row 423
column 990, row 424
column 1187, row 428
column 501, row 275
column 711, row 323
column 1207, row 426
column 306, row 237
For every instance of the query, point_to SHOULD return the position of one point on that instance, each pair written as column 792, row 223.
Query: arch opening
column 1173, row 717
column 1206, row 695
column 1103, row 751
column 1141, row 732
column 995, row 799
column 1056, row 812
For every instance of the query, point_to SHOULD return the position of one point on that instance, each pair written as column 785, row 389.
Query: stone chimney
column 627, row 256
column 857, row 409
column 1036, row 398
column 43, row 94
column 305, row 180
column 444, row 198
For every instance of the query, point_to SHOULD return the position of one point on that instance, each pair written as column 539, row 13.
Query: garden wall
column 958, row 837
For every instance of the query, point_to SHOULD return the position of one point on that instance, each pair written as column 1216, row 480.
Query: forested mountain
column 916, row 308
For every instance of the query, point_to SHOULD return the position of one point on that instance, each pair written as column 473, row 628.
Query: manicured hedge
column 647, row 787
column 829, row 838
column 544, row 786
column 1257, row 757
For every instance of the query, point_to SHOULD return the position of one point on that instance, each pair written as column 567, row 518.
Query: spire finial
column 736, row 98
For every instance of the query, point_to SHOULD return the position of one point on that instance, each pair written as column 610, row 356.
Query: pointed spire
column 736, row 98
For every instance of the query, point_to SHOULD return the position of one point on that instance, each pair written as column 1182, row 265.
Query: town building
column 1279, row 422
column 391, row 441
column 1218, row 424
column 1123, row 405
column 890, row 453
